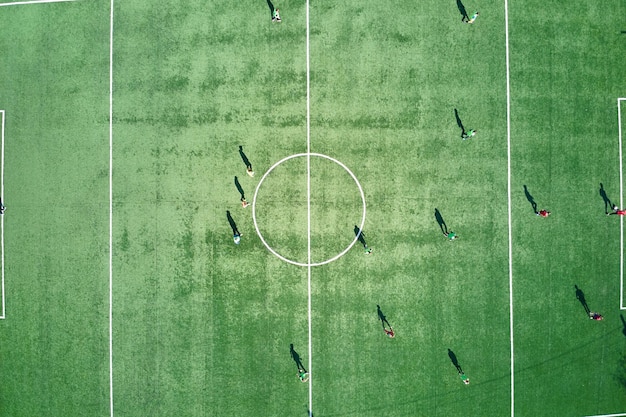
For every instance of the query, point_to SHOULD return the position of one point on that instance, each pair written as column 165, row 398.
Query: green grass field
column 203, row 327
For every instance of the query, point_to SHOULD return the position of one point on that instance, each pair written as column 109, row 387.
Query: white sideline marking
column 508, row 156
column 19, row 3
column 610, row 415
column 111, row 208
column 2, row 217
column 621, row 204
column 308, row 203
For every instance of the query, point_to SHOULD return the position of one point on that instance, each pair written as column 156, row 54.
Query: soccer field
column 125, row 129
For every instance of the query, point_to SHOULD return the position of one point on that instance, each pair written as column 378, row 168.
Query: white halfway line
column 19, row 3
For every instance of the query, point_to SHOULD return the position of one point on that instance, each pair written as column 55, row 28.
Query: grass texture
column 203, row 327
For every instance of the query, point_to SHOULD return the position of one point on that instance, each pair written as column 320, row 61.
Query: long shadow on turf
column 580, row 295
column 360, row 236
column 605, row 198
column 455, row 361
column 441, row 222
column 239, row 188
column 245, row 159
column 382, row 317
column 464, row 16
column 232, row 223
column 530, row 199
column 271, row 6
column 459, row 123
column 296, row 358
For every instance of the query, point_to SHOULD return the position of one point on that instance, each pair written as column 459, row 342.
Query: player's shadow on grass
column 464, row 16
column 271, row 6
column 455, row 361
column 605, row 198
column 530, row 199
column 232, row 223
column 458, row 119
column 441, row 222
column 296, row 358
column 239, row 188
column 580, row 296
column 382, row 317
column 360, row 236
column 623, row 324
column 244, row 158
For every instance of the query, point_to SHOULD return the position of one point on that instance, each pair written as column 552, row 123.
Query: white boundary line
column 508, row 155
column 2, row 217
column 621, row 204
column 308, row 202
column 610, row 415
column 19, row 3
column 112, row 4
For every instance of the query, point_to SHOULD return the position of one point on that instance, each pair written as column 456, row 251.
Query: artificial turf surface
column 204, row 327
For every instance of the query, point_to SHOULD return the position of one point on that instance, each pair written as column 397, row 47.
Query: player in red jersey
column 544, row 213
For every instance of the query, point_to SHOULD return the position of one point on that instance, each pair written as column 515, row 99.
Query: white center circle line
column 274, row 252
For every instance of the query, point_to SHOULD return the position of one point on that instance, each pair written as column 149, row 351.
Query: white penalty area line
column 20, row 3
column 621, row 204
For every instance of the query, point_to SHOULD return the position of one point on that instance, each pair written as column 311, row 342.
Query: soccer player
column 473, row 18
column 2, row 207
column 237, row 237
column 276, row 17
column 468, row 134
column 303, row 375
column 464, row 378
column 617, row 211
column 244, row 203
column 451, row 235
column 390, row 332
column 543, row 213
column 595, row 316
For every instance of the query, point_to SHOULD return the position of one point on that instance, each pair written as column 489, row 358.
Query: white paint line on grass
column 610, row 415
column 2, row 217
column 21, row 3
column 621, row 204
column 308, row 201
column 508, row 155
column 111, row 207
